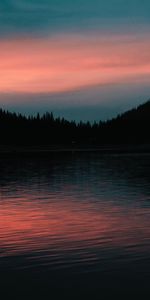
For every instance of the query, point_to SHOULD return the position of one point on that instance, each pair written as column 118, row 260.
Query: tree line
column 130, row 127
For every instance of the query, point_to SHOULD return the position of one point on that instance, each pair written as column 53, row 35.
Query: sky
column 83, row 59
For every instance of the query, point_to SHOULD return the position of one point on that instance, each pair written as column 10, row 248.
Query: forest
column 131, row 127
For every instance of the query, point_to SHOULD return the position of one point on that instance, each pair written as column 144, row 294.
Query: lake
column 77, row 222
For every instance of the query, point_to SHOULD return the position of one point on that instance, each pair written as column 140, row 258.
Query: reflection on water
column 81, row 214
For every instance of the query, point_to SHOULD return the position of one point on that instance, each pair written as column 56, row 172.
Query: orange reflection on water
column 33, row 225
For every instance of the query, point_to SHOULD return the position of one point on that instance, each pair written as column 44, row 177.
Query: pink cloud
column 72, row 62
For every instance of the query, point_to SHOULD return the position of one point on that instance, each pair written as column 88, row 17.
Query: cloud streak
column 68, row 63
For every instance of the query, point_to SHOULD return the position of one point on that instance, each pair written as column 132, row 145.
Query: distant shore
column 46, row 150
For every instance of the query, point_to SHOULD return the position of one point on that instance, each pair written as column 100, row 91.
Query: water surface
column 79, row 221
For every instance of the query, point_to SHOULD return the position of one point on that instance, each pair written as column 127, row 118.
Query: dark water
column 77, row 222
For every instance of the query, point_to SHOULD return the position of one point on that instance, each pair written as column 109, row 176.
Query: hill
column 131, row 127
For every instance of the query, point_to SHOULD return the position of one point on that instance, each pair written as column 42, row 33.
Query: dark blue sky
column 39, row 15
column 49, row 16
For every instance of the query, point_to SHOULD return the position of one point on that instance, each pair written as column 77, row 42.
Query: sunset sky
column 80, row 59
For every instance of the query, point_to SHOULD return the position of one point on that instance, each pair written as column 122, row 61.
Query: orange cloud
column 71, row 62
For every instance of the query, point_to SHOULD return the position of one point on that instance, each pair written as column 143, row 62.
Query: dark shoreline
column 61, row 149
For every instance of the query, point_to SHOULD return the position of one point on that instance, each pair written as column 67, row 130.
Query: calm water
column 79, row 221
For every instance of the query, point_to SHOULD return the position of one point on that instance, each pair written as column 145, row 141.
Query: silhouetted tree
column 130, row 127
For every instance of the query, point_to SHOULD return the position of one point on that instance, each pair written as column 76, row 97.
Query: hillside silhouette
column 131, row 127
